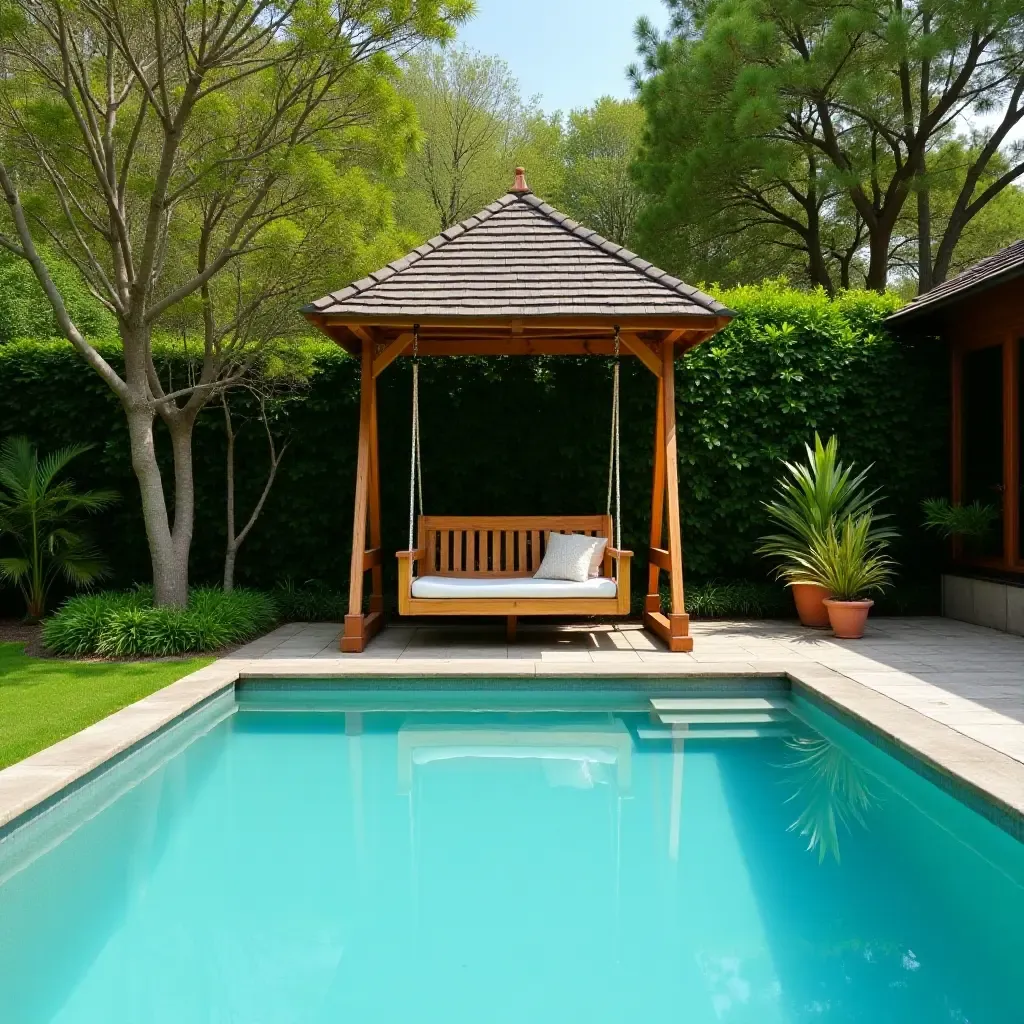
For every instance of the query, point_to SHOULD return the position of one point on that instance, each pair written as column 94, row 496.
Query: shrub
column 125, row 624
column 312, row 601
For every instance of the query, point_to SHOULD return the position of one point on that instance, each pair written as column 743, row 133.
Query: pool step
column 724, row 732
column 719, row 703
column 721, row 717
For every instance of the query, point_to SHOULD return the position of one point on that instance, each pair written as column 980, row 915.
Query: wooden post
column 510, row 628
column 373, row 508
column 956, row 425
column 1011, row 484
column 653, row 600
column 359, row 627
column 673, row 627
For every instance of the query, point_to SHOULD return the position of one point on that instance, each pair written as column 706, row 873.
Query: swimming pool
column 302, row 857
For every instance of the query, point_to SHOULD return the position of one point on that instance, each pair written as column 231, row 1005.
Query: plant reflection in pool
column 832, row 790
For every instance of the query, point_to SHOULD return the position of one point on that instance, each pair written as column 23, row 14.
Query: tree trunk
column 231, row 548
column 924, row 235
column 229, row 567
column 170, row 559
column 947, row 246
column 817, row 271
column 878, row 259
column 817, row 267
column 235, row 538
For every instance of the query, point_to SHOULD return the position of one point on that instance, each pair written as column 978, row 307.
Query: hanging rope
column 415, row 469
column 614, row 468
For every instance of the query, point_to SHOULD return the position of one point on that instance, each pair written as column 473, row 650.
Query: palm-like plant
column 41, row 514
column 810, row 498
column 973, row 521
column 849, row 562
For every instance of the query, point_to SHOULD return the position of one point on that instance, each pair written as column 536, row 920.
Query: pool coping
column 954, row 761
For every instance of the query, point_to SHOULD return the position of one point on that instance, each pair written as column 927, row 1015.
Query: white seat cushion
column 510, row 586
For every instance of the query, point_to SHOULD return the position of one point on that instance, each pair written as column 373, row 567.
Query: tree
column 867, row 89
column 41, row 515
column 203, row 165
column 475, row 128
column 280, row 376
column 598, row 148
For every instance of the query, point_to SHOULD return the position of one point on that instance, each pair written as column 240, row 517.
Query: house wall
column 993, row 318
column 992, row 603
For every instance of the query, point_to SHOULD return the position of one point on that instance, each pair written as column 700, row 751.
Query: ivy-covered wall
column 531, row 435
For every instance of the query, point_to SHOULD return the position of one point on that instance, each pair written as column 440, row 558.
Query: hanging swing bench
column 518, row 278
column 487, row 565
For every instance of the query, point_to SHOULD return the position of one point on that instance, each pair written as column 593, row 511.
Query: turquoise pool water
column 443, row 863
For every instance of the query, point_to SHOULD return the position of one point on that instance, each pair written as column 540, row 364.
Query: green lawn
column 42, row 701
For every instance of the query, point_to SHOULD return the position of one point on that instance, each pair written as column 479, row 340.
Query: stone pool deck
column 949, row 693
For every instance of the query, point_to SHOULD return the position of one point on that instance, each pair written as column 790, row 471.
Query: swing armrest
column 622, row 565
column 406, row 560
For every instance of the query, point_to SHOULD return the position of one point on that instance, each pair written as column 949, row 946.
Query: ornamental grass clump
column 849, row 562
column 117, row 624
column 312, row 601
column 718, row 599
column 973, row 521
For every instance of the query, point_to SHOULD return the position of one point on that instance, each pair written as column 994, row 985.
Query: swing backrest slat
column 498, row 545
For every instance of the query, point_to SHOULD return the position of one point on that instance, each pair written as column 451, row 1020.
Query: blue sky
column 569, row 52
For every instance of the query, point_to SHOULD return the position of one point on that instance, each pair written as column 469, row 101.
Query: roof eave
column 629, row 321
column 918, row 311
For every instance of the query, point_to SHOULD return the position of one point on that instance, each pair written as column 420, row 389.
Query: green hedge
column 522, row 435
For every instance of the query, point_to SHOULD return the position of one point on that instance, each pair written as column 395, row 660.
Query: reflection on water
column 463, row 866
column 831, row 790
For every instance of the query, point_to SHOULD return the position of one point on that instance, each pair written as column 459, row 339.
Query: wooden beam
column 391, row 352
column 365, row 335
column 358, row 634
column 672, row 629
column 352, row 639
column 643, row 351
column 520, row 346
column 660, row 558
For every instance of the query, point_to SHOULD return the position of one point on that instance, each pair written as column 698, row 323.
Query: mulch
column 16, row 631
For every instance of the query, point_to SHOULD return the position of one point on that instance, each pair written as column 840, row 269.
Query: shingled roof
column 1003, row 266
column 519, row 257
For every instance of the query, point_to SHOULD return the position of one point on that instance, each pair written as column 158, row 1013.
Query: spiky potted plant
column 850, row 562
column 810, row 497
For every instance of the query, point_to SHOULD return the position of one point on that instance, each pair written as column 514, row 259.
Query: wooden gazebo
column 518, row 278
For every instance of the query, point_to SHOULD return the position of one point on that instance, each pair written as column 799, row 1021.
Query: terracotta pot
column 810, row 604
column 848, row 618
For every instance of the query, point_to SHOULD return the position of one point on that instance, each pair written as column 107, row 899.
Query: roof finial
column 519, row 185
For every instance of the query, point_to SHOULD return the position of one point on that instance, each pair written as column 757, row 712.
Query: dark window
column 983, row 438
column 1020, row 450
